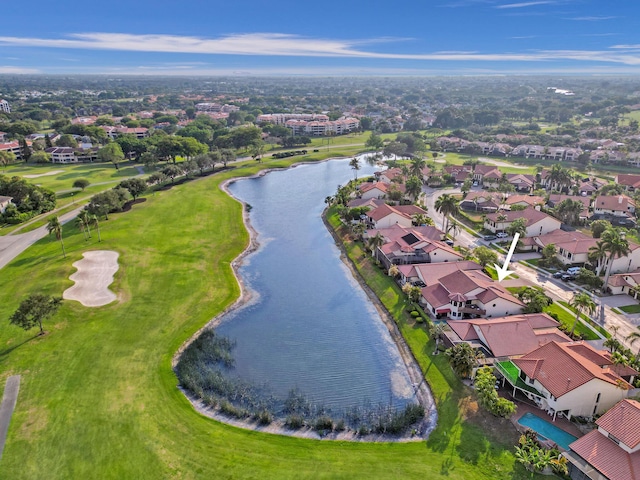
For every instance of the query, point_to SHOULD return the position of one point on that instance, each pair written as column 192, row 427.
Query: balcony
column 472, row 309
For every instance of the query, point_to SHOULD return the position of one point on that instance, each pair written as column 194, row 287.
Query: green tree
column 93, row 220
column 25, row 149
column 111, row 153
column 582, row 302
column 6, row 158
column 633, row 337
column 466, row 187
column 149, row 159
column 446, row 205
column 519, row 225
column 485, row 255
column 135, row 186
column 375, row 242
column 617, row 246
column 81, row 183
column 413, row 187
column 354, row 163
column 86, row 219
column 257, row 150
column 54, row 226
column 82, row 227
column 67, row 140
column 172, row 171
column 598, row 227
column 568, row 211
column 34, row 310
column 485, row 382
column 374, row 142
column 463, row 358
column 534, row 299
column 227, row 155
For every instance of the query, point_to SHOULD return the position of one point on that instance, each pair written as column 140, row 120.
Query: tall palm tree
column 54, row 226
column 375, row 242
column 86, row 218
column 354, row 163
column 82, row 226
column 93, row 220
column 633, row 337
column 582, row 302
column 446, row 205
column 597, row 256
column 617, row 246
column 417, row 164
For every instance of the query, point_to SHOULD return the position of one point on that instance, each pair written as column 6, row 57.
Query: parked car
column 488, row 238
column 567, row 276
column 475, row 184
column 449, row 242
column 502, row 234
column 573, row 270
column 559, row 274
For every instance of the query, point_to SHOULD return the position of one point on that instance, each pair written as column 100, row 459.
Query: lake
column 310, row 325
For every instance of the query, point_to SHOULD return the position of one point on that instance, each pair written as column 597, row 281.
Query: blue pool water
column 547, row 430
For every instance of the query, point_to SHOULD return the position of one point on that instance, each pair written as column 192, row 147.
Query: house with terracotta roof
column 556, row 198
column 385, row 215
column 373, row 190
column 538, row 223
column 521, row 182
column 481, row 170
column 570, row 379
column 460, row 290
column 612, row 451
column 404, row 246
column 505, row 337
column 572, row 247
column 12, row 147
column 482, row 201
column 623, row 283
column 523, row 201
column 4, row 203
column 387, row 176
column 617, row 205
column 629, row 181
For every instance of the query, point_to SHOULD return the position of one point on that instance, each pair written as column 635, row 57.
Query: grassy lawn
column 94, row 172
column 588, row 320
column 98, row 393
column 635, row 308
column 567, row 319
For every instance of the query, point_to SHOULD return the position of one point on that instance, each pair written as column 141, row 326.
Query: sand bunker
column 95, row 274
column 55, row 172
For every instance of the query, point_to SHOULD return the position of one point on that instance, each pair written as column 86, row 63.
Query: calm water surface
column 311, row 326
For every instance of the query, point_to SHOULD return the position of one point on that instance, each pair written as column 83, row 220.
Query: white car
column 502, row 234
column 573, row 270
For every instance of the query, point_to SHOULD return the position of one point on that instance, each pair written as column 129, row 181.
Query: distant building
column 4, row 106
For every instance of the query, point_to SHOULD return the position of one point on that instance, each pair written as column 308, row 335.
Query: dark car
column 488, row 238
column 567, row 276
column 559, row 274
column 449, row 242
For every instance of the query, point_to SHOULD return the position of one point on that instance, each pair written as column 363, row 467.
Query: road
column 13, row 245
column 554, row 288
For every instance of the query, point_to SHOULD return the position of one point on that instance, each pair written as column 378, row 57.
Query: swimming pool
column 546, row 430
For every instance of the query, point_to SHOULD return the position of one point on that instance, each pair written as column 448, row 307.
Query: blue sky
column 422, row 37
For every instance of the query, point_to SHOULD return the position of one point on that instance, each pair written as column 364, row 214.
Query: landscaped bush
column 488, row 397
column 323, row 424
column 294, row 422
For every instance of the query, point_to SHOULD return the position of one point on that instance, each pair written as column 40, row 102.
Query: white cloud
column 17, row 70
column 277, row 44
column 591, row 19
column 526, row 4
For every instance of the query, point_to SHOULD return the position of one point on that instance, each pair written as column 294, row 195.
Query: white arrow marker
column 502, row 271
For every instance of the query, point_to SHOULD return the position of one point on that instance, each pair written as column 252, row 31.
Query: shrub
column 324, row 424
column 415, row 314
column 264, row 417
column 294, row 422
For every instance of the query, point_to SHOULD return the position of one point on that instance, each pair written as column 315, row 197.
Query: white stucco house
column 385, row 215
column 4, row 203
column 538, row 223
column 570, row 379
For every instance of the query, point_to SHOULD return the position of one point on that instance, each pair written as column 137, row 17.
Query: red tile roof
column 623, row 422
column 563, row 367
column 607, row 457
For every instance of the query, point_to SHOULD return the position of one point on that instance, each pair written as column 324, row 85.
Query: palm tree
column 421, row 219
column 413, row 187
column 82, row 226
column 375, row 242
column 355, row 166
column 617, row 246
column 582, row 302
column 632, row 337
column 54, row 226
column 417, row 164
column 446, row 205
column 597, row 256
column 86, row 218
column 93, row 220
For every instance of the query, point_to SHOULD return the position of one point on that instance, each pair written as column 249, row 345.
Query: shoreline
column 277, row 426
